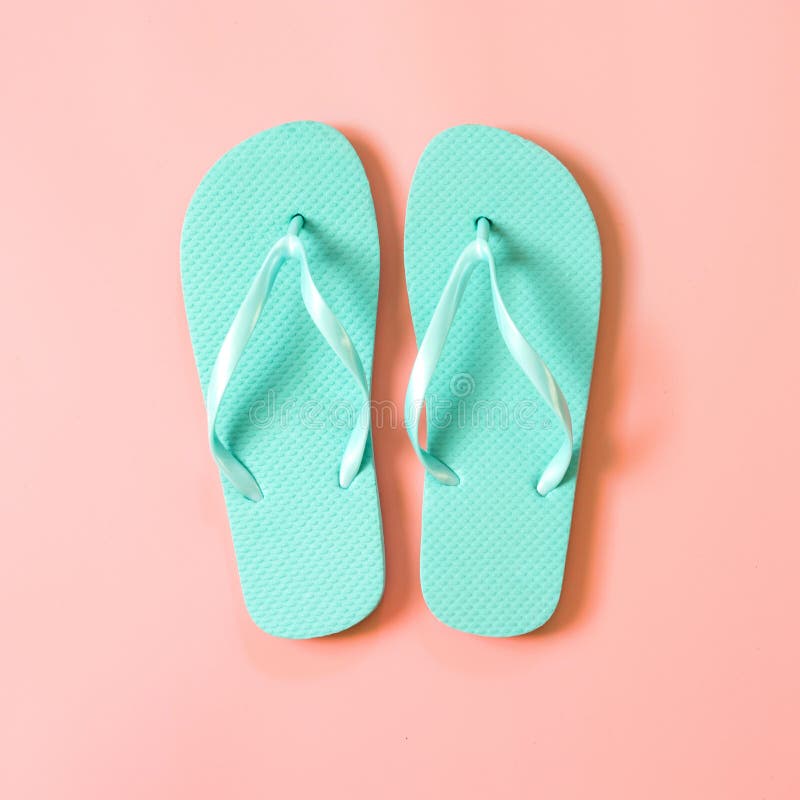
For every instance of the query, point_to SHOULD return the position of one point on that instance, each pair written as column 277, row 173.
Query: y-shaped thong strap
column 287, row 248
column 475, row 253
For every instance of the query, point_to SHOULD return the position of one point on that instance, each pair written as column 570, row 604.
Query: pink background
column 129, row 667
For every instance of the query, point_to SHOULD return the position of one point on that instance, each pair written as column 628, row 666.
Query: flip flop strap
column 287, row 248
column 475, row 253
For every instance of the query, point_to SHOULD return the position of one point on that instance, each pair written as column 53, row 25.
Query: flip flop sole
column 493, row 550
column 310, row 554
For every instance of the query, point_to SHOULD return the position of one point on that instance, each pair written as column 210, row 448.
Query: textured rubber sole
column 310, row 555
column 493, row 550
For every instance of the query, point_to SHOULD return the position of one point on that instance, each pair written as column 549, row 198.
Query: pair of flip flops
column 501, row 253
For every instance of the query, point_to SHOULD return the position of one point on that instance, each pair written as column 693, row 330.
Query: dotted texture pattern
column 310, row 555
column 493, row 550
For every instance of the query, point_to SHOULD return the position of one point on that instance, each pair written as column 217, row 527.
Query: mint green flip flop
column 288, row 401
column 504, row 438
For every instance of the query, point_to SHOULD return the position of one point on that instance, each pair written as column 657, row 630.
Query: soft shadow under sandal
column 502, row 256
column 288, row 399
